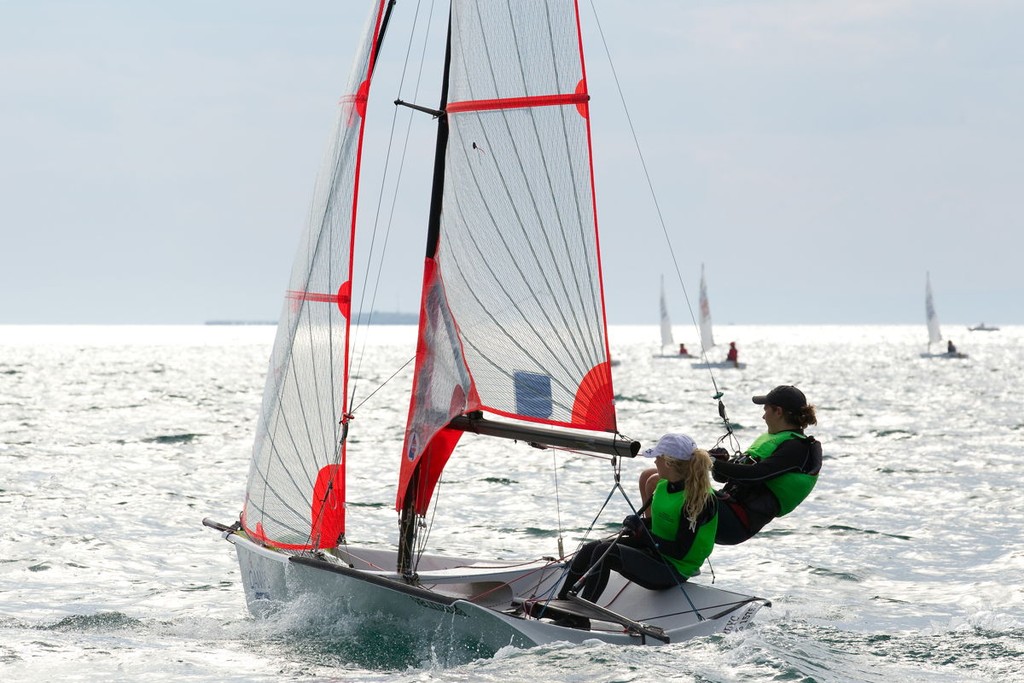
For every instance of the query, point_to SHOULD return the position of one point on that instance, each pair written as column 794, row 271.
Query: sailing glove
column 632, row 523
column 719, row 453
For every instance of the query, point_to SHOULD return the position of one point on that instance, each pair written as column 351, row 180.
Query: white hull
column 680, row 356
column 945, row 354
column 476, row 603
column 721, row 364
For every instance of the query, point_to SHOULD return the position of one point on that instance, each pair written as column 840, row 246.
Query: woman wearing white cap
column 665, row 550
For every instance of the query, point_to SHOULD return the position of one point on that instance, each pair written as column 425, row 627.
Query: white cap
column 677, row 446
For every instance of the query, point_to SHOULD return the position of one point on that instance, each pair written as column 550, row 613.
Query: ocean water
column 907, row 562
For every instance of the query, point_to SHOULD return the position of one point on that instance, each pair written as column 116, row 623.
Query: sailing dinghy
column 512, row 344
column 932, row 319
column 667, row 339
column 707, row 337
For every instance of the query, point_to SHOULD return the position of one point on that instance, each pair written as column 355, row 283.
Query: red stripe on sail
column 312, row 296
column 577, row 98
column 343, row 298
column 598, row 401
column 354, row 104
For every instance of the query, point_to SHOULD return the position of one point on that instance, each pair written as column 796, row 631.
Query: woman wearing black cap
column 774, row 475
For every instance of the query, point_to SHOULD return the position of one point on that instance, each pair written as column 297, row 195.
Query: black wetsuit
column 635, row 557
column 746, row 503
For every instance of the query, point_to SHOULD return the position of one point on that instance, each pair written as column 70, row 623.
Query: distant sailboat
column 934, row 333
column 983, row 328
column 707, row 337
column 666, row 322
column 667, row 340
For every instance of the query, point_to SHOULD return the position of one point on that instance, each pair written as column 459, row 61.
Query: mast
column 407, row 518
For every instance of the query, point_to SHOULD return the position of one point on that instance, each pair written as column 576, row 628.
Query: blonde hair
column 695, row 474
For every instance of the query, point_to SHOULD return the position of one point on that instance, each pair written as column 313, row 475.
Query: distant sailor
column 775, row 474
column 950, row 348
column 734, row 355
column 683, row 351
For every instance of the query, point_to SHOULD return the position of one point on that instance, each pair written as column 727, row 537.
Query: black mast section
column 407, row 520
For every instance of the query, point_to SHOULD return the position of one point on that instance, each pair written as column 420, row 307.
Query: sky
column 818, row 157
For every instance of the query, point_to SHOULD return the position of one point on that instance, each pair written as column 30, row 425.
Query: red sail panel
column 442, row 388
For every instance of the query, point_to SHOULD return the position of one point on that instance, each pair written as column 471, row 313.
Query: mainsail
column 707, row 339
column 934, row 335
column 512, row 319
column 295, row 492
column 666, row 322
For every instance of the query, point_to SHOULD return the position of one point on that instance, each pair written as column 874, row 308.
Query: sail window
column 533, row 394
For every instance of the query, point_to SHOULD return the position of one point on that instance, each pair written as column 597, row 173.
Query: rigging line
column 650, row 185
column 423, row 538
column 558, row 503
column 382, row 385
column 680, row 584
column 394, row 199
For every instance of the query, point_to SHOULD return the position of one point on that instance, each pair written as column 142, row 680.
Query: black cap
column 784, row 396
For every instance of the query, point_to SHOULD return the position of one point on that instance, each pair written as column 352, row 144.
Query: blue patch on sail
column 533, row 394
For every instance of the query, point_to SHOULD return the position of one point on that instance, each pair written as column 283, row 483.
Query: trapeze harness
column 754, row 497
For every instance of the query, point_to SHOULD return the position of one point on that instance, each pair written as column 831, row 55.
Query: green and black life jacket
column 667, row 515
column 791, row 488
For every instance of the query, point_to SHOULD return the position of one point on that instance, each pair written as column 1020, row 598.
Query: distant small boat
column 983, row 328
column 666, row 330
column 720, row 364
column 934, row 333
column 707, row 338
